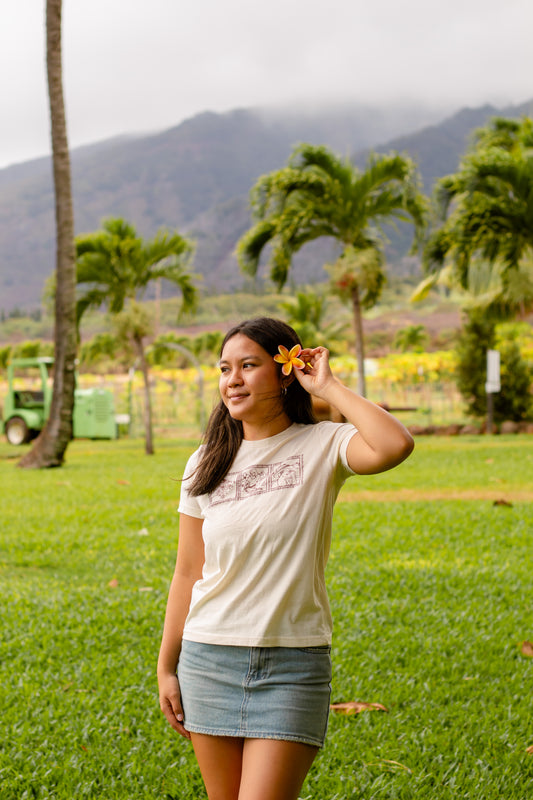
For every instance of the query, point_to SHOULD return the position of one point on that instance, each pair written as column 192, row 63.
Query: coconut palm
column 320, row 194
column 114, row 268
column 50, row 446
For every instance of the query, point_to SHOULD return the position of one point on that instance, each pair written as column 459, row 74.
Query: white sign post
column 492, row 385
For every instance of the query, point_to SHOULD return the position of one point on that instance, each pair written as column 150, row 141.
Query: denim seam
column 284, row 737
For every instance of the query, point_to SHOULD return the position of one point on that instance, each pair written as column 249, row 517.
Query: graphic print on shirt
column 259, row 479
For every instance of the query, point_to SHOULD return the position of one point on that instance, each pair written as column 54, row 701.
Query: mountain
column 437, row 149
column 196, row 177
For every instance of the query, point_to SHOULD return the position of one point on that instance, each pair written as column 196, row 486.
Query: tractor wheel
column 17, row 432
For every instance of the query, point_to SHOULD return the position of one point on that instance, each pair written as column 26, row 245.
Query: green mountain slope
column 197, row 176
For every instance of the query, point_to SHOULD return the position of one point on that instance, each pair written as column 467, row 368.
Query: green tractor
column 26, row 408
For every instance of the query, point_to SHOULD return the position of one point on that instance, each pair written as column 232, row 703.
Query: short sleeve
column 190, row 504
column 346, row 435
column 338, row 436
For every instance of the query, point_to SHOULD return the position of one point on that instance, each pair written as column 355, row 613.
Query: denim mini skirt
column 256, row 692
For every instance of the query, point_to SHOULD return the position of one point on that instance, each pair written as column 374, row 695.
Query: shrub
column 513, row 401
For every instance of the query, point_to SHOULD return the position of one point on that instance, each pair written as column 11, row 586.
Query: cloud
column 147, row 65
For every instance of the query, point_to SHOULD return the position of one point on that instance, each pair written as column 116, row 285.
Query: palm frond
column 163, row 246
column 318, row 157
column 252, row 244
column 380, row 171
column 319, row 194
column 118, row 228
column 115, row 264
column 93, row 298
column 424, row 287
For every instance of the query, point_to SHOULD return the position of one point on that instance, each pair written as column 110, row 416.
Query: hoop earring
column 283, row 391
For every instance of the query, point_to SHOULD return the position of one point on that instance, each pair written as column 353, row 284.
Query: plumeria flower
column 289, row 358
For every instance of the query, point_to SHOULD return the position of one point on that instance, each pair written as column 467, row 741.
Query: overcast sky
column 143, row 65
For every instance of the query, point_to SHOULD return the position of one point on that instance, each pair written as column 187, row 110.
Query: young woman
column 244, row 669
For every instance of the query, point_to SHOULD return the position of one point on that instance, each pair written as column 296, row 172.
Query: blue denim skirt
column 256, row 692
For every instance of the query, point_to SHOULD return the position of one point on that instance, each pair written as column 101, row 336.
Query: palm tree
column 484, row 245
column 133, row 326
column 486, row 207
column 491, row 288
column 306, row 313
column 50, row 447
column 115, row 266
column 412, row 337
column 320, row 194
column 358, row 277
column 101, row 346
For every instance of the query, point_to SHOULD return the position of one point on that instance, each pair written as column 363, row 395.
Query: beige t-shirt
column 267, row 533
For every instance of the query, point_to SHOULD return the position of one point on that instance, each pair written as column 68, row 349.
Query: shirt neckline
column 253, row 443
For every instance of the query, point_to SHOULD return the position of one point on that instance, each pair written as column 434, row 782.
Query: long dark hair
column 224, row 434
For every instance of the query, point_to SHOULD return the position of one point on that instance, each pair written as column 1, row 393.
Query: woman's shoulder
column 194, row 458
column 198, row 452
column 327, row 428
column 324, row 435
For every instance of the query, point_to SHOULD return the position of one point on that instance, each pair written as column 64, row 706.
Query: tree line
column 477, row 234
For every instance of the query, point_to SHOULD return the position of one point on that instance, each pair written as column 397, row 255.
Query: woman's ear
column 286, row 380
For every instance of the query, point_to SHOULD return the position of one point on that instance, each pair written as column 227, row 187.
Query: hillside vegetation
column 196, row 177
column 439, row 314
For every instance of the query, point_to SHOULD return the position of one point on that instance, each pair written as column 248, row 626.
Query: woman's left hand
column 317, row 375
column 382, row 441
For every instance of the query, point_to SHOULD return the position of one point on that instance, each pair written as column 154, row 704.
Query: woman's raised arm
column 382, row 441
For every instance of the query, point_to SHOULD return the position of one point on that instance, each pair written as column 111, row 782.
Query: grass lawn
column 430, row 585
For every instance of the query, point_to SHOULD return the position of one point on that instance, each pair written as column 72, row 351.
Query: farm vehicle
column 27, row 405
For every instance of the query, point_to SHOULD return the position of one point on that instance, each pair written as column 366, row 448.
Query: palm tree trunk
column 157, row 306
column 359, row 342
column 49, row 448
column 148, row 435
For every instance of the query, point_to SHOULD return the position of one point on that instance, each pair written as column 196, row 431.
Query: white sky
column 143, row 65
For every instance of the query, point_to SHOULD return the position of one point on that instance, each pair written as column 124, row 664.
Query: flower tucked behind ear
column 289, row 358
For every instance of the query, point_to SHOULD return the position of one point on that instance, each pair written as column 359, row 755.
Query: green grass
column 430, row 600
column 467, row 466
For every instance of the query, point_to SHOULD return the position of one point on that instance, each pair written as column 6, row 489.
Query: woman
column 248, row 625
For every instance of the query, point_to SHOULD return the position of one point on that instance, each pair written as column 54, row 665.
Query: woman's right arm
column 189, row 563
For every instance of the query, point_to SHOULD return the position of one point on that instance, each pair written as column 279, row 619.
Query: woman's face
column 250, row 381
